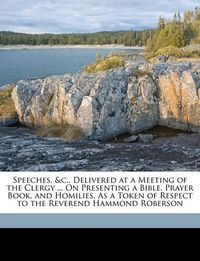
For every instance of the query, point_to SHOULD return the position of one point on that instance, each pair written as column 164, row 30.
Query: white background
column 190, row 206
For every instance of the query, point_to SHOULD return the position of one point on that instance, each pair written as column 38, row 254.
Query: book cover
column 99, row 114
